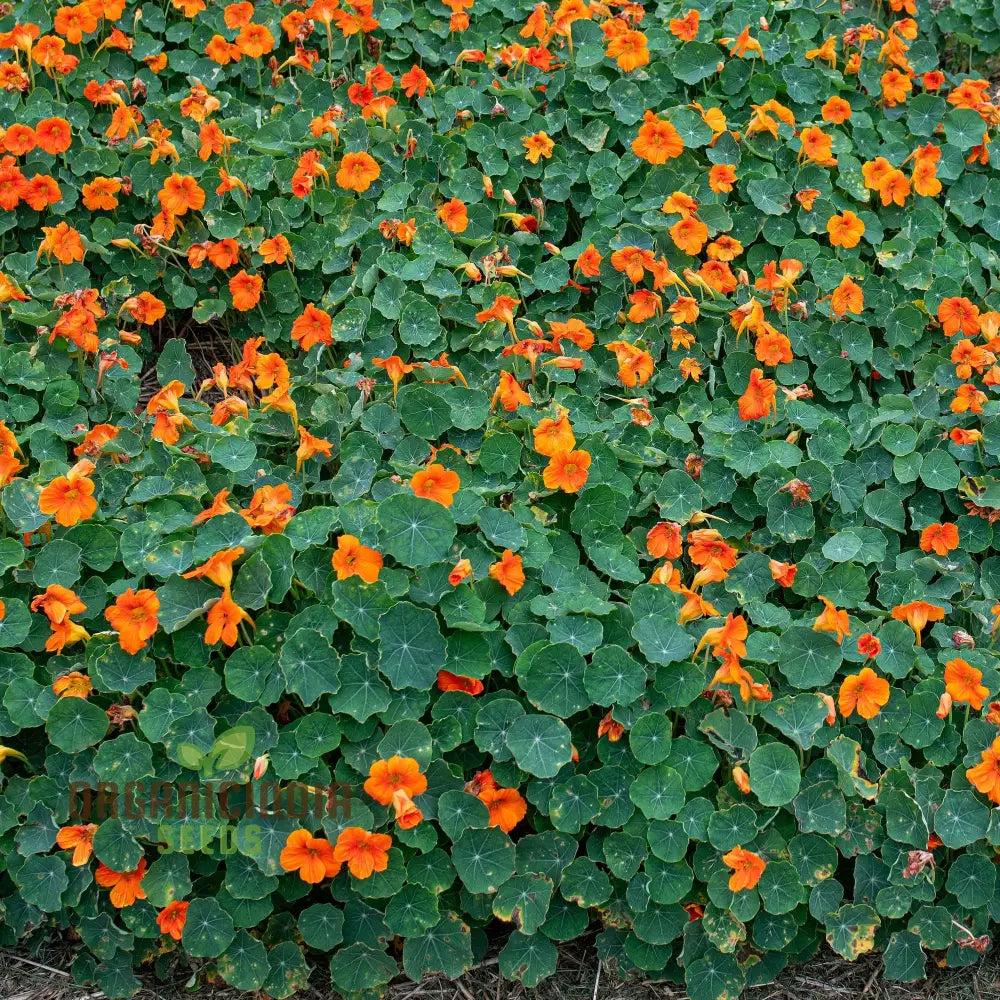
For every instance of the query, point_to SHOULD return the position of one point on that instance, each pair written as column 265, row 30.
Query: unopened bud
column 508, row 197
column 961, row 639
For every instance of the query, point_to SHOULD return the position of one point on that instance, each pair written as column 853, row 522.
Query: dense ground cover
column 473, row 473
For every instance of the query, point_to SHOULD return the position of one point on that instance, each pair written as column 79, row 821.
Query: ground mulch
column 44, row 975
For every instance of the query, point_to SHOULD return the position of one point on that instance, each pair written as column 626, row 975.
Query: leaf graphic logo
column 232, row 748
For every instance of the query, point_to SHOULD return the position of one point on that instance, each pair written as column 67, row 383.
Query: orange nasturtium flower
column 721, row 178
column 358, row 171
column 537, row 146
column 312, row 857
column 217, row 508
column 395, row 368
column 847, row 297
column 832, row 620
column 270, row 509
column 313, row 326
column 133, row 617
column 73, row 685
column 658, row 141
column 508, row 572
column 245, row 290
column 917, row 614
column 985, row 776
column 125, row 887
column 217, row 568
column 506, row 805
column 635, row 366
column 727, row 640
column 223, row 618
column 939, row 538
column 628, row 49
column 63, row 242
column 58, row 603
column 865, row 692
column 309, row 447
column 747, row 868
column 180, row 194
column 782, row 573
column 664, row 541
column 845, row 230
column 963, row 682
column 553, row 436
column 758, row 400
column 172, row 917
column 567, row 471
column 958, row 314
column 70, row 498
column 869, row 646
column 447, row 681
column 436, row 483
column 354, row 559
column 686, row 28
column 712, row 555
column 364, row 853
column 454, row 216
column 387, row 776
column 407, row 814
column 80, row 839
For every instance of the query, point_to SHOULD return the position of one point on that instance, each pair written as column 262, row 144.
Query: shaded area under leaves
column 43, row 974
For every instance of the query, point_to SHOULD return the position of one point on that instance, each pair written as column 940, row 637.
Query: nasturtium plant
column 478, row 473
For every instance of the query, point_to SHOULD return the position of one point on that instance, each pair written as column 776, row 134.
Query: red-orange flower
column 270, row 509
column 508, row 572
column 180, row 194
column 917, row 614
column 747, row 868
column 358, row 171
column 454, row 216
column 506, row 805
column 312, row 857
column 658, row 141
column 245, row 290
column 407, row 814
column 80, row 839
column 172, row 917
column 70, row 498
column 364, row 853
column 436, row 483
column 964, row 683
column 832, row 620
column 985, row 776
column 133, row 617
column 757, row 401
column 125, row 887
column 313, row 326
column 939, row 538
column 354, row 559
column 869, row 646
column 567, row 471
column 447, row 681
column 864, row 692
column 386, row 776
column 223, row 618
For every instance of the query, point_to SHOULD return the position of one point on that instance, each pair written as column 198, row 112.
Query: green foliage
column 605, row 423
